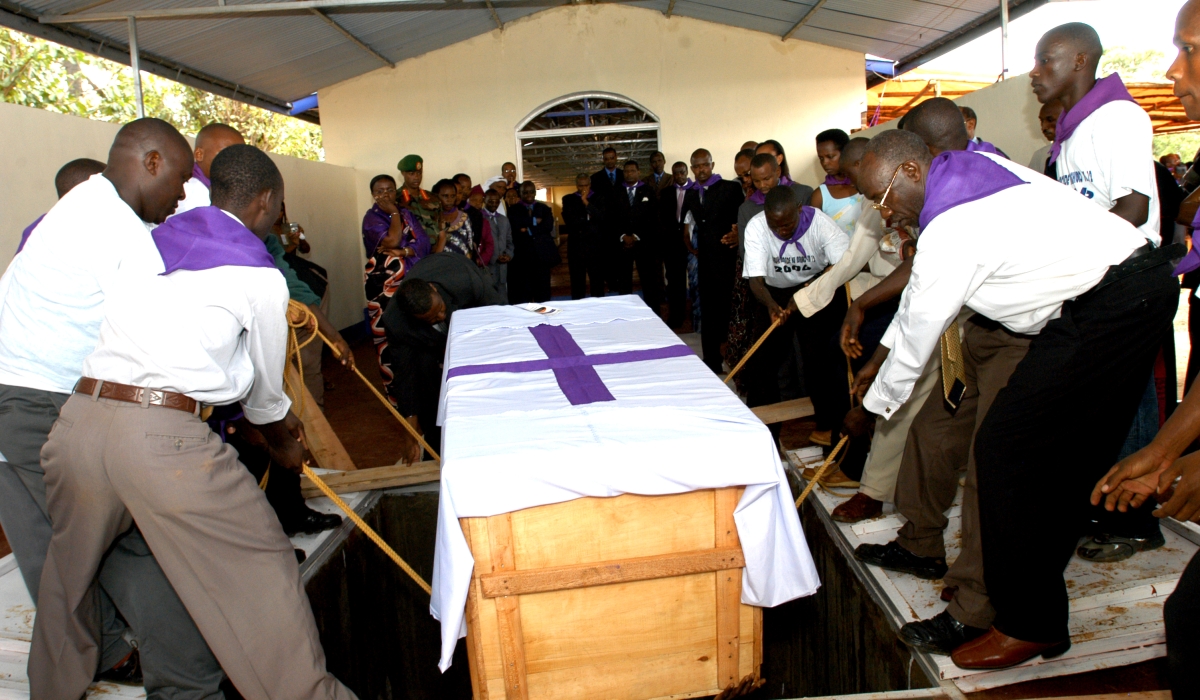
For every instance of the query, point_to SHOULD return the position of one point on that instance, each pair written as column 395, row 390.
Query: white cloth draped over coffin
column 513, row 439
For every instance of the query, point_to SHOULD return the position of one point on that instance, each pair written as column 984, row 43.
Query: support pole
column 1003, row 39
column 137, row 71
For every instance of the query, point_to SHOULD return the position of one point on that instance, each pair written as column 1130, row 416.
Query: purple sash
column 958, row 177
column 685, row 186
column 207, row 237
column 806, row 218
column 28, row 230
column 199, row 175
column 985, row 147
column 1107, row 89
column 1191, row 261
column 831, row 180
column 712, row 180
column 761, row 199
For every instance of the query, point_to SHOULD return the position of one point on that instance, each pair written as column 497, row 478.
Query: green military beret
column 409, row 163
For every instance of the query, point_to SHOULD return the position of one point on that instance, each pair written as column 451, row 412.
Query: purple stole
column 1191, row 261
column 1107, row 89
column 959, row 177
column 697, row 185
column 207, row 237
column 760, row 198
column 831, row 180
column 806, row 219
column 28, row 230
column 974, row 146
column 199, row 175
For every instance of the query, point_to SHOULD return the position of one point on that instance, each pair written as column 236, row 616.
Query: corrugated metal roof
column 276, row 58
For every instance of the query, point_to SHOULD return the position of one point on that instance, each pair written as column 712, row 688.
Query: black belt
column 1140, row 260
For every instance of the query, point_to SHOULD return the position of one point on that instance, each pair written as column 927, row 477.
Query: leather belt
column 97, row 388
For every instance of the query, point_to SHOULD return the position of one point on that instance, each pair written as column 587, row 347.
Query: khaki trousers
column 887, row 446
column 939, row 447
column 109, row 464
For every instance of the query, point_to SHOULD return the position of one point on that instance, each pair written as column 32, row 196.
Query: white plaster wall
column 712, row 86
column 320, row 197
column 1008, row 118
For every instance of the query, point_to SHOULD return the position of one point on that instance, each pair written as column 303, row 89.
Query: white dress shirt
column 1110, row 155
column 864, row 252
column 53, row 294
column 824, row 244
column 1014, row 257
column 197, row 195
column 217, row 335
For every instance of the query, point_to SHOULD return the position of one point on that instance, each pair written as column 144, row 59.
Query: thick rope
column 378, row 394
column 366, row 529
column 742, row 362
column 821, row 472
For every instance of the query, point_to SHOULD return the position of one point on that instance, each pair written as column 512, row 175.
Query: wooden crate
column 626, row 597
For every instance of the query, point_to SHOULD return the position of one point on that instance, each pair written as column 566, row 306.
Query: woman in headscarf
column 394, row 240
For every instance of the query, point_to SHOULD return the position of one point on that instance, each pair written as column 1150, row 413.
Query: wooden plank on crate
column 322, row 441
column 783, row 411
column 562, row 578
column 508, row 611
column 729, row 591
column 479, row 684
column 376, row 478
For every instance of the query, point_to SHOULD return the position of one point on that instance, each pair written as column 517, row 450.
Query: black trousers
column 717, row 263
column 1181, row 614
column 645, row 254
column 1193, row 365
column 674, row 256
column 813, row 335
column 283, row 485
column 1053, row 431
column 585, row 263
column 528, row 279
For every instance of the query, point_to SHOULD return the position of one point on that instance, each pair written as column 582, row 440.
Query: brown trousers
column 939, row 446
column 109, row 464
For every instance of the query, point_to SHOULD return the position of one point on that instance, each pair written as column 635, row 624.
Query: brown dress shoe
column 996, row 650
column 859, row 507
column 948, row 593
column 837, row 479
column 821, row 437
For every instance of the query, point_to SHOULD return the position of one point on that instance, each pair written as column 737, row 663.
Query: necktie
column 701, row 192
column 612, row 177
column 953, row 377
column 679, row 193
column 632, row 191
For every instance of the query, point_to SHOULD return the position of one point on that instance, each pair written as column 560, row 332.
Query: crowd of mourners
column 945, row 309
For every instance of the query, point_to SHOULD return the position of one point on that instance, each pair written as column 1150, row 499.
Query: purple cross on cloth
column 574, row 370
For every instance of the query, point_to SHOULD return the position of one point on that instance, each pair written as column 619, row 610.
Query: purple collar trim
column 806, row 218
column 959, row 177
column 207, row 237
column 760, row 198
column 714, row 179
column 199, row 175
column 831, row 180
column 984, row 147
column 685, row 186
column 1107, row 89
column 28, row 230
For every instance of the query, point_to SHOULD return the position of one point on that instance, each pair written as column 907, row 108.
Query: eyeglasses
column 880, row 206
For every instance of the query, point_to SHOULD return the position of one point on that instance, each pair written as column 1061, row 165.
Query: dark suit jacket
column 670, row 225
column 523, row 241
column 665, row 182
column 575, row 216
column 416, row 347
column 717, row 214
column 637, row 217
column 603, row 198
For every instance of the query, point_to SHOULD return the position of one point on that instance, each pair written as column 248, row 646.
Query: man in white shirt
column 210, row 141
column 787, row 245
column 51, row 306
column 1102, row 149
column 130, row 446
column 1097, row 298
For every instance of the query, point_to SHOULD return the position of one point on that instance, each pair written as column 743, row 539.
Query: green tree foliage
column 1185, row 144
column 1134, row 66
column 45, row 75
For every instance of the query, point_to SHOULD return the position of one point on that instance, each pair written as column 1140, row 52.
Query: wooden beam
column 377, row 478
column 508, row 611
column 729, row 590
column 561, row 578
column 785, row 410
column 326, row 449
column 495, row 17
column 670, row 8
column 803, row 20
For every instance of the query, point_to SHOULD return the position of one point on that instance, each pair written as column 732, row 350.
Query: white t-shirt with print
column 1109, row 156
column 823, row 243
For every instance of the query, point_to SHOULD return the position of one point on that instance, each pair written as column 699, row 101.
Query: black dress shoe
column 896, row 558
column 128, row 672
column 940, row 634
column 310, row 522
column 301, row 555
